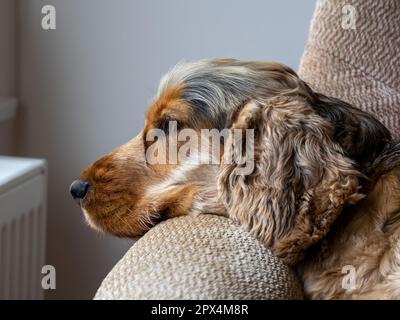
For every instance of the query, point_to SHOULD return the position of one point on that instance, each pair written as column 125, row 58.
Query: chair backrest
column 353, row 53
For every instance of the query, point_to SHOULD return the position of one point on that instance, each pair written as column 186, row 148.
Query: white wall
column 8, row 68
column 84, row 89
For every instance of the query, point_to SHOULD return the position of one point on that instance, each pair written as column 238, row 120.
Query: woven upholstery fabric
column 202, row 257
column 361, row 65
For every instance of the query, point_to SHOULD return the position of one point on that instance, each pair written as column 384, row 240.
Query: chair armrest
column 199, row 257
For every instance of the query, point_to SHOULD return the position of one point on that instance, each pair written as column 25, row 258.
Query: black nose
column 79, row 189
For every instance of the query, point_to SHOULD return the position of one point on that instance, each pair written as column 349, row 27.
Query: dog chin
column 90, row 222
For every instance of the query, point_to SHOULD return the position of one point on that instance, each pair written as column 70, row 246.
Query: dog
column 314, row 158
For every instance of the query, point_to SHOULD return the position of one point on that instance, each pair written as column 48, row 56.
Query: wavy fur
column 301, row 182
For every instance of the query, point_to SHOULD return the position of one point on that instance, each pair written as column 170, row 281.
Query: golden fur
column 315, row 159
column 301, row 182
column 293, row 211
column 366, row 237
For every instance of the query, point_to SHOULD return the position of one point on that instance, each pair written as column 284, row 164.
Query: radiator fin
column 22, row 240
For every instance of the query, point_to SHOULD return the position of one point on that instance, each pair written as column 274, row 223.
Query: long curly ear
column 301, row 180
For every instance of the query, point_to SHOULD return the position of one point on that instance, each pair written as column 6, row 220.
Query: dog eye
column 165, row 125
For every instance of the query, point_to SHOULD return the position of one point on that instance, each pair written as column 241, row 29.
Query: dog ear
column 301, row 179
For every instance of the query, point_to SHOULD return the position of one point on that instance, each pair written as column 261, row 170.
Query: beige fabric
column 203, row 257
column 362, row 65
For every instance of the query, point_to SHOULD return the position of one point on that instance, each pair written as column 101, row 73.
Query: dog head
column 125, row 193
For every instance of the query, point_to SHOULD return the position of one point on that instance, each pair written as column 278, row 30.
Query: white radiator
column 22, row 227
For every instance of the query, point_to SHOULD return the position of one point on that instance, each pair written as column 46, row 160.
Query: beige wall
column 84, row 88
column 7, row 138
column 8, row 68
column 8, row 41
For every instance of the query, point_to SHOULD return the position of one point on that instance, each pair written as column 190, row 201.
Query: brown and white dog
column 324, row 192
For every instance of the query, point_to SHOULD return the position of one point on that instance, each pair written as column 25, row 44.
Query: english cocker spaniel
column 322, row 190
